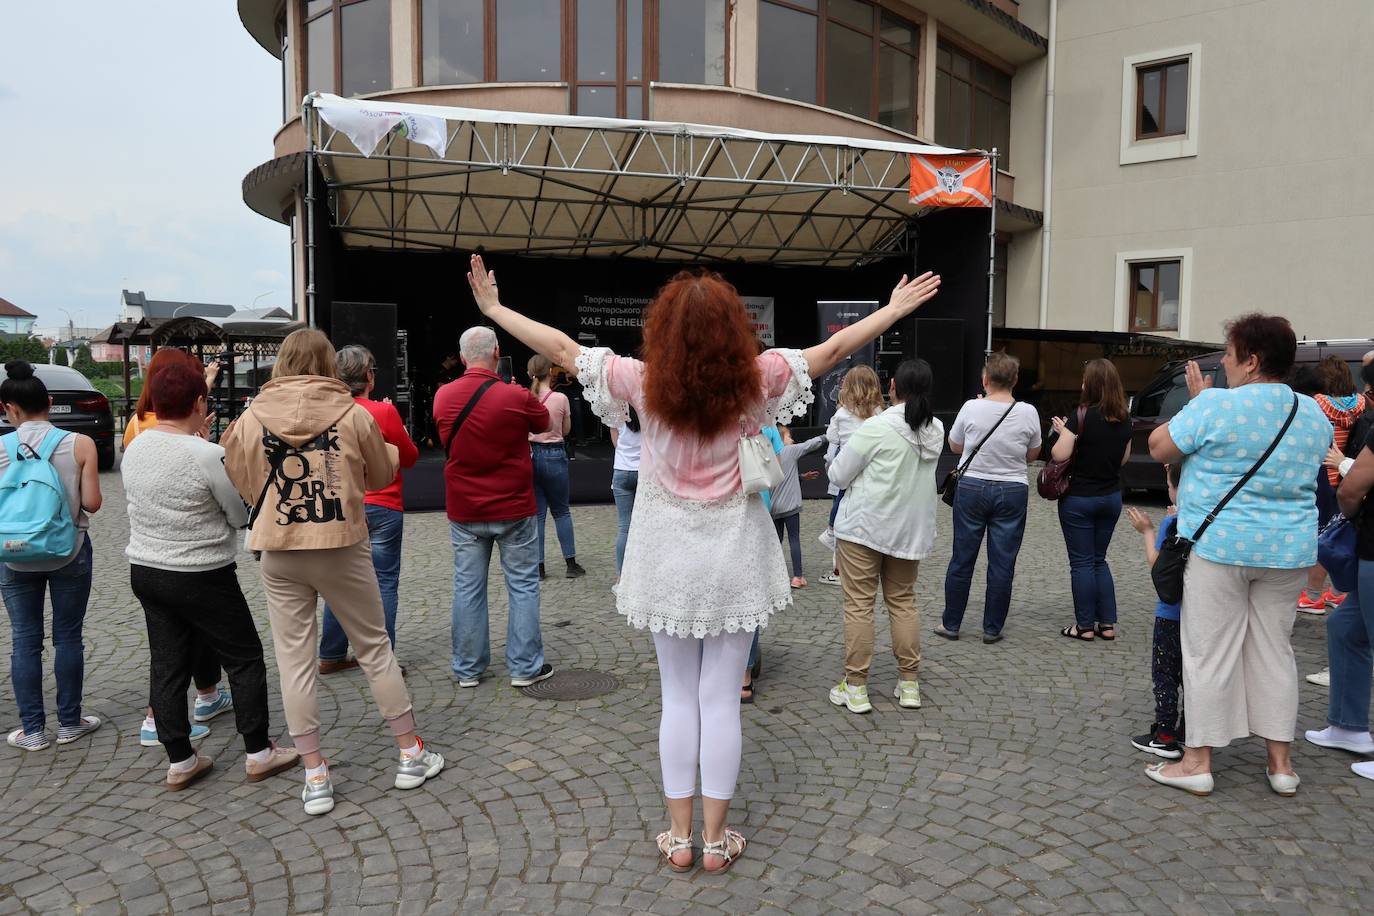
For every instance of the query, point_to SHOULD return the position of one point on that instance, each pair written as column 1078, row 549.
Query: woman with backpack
column 303, row 456
column 49, row 487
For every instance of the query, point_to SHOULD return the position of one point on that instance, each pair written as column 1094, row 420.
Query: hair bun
column 19, row 370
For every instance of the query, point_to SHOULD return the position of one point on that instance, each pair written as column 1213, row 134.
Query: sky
column 128, row 128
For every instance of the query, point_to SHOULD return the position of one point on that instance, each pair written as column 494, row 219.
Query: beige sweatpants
column 1239, row 674
column 295, row 580
column 861, row 570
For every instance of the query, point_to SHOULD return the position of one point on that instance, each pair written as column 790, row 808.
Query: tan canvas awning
column 429, row 177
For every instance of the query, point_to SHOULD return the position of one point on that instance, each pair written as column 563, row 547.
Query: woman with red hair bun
column 703, row 567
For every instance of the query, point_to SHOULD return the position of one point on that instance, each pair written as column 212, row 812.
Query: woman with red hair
column 703, row 568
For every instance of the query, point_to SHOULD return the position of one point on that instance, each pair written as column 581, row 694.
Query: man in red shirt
column 385, row 512
column 489, row 484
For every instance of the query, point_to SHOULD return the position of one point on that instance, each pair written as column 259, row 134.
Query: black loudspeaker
column 371, row 325
column 940, row 342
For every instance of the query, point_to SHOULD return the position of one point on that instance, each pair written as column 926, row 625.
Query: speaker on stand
column 372, row 325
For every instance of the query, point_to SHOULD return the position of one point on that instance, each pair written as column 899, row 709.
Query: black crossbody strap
column 986, row 436
column 274, row 461
column 1212, row 516
column 467, row 409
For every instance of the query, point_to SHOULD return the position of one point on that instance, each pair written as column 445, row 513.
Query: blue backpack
column 35, row 518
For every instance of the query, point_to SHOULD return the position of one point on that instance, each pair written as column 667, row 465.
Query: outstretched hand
column 909, row 295
column 483, row 283
column 1139, row 520
column 1197, row 382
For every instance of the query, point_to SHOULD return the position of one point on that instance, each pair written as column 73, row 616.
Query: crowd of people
column 312, row 469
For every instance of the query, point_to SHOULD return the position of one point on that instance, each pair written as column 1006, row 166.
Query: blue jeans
column 1089, row 523
column 623, row 487
column 997, row 507
column 472, row 543
column 384, row 529
column 70, row 589
column 1349, row 636
column 551, row 495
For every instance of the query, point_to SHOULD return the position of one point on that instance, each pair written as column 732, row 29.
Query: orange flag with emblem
column 951, row 181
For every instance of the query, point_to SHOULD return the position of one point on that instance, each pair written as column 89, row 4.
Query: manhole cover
column 573, row 685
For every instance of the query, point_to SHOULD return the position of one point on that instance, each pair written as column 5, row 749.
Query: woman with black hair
column 885, row 527
column 624, row 481
column 67, row 580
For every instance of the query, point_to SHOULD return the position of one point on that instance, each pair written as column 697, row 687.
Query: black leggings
column 182, row 608
column 792, row 525
column 1166, row 670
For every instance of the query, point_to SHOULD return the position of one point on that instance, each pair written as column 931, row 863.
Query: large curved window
column 348, row 46
column 691, row 41
column 849, row 55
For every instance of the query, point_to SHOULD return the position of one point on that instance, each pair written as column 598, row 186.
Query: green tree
column 61, row 359
column 84, row 363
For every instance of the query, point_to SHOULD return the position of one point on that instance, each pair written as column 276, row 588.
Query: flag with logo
column 951, row 181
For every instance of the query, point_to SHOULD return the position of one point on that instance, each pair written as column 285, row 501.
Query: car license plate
column 61, row 408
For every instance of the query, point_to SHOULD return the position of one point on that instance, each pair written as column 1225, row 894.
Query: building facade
column 14, row 320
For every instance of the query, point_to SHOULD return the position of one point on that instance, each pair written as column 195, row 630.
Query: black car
column 1167, row 392
column 77, row 406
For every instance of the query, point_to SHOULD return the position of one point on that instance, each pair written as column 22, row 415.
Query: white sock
column 261, row 756
column 184, row 766
column 411, row 751
column 1365, row 769
column 149, row 724
column 318, row 772
column 209, row 696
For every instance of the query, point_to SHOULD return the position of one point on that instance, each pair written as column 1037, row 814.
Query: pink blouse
column 557, row 404
column 683, row 463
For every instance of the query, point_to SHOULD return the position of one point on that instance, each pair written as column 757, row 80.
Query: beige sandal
column 730, row 847
column 670, row 846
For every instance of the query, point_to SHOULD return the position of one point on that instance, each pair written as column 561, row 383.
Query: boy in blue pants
column 1165, row 738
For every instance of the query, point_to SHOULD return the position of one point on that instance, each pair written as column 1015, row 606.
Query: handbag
column 759, row 468
column 1167, row 573
column 950, row 485
column 1054, row 478
column 1336, row 552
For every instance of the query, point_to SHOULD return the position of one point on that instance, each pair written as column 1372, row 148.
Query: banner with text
column 603, row 317
column 836, row 316
column 760, row 312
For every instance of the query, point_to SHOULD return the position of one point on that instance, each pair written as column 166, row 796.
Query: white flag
column 366, row 127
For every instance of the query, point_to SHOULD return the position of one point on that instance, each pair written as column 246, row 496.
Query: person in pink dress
column 703, row 567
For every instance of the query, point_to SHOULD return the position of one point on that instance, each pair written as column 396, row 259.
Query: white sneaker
column 855, row 699
column 908, row 694
column 1365, row 769
column 1322, row 678
column 829, row 578
column 1343, row 739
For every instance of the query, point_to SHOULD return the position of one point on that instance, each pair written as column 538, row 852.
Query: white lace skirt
column 696, row 568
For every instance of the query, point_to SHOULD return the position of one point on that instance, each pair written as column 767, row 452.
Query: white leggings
column 701, row 682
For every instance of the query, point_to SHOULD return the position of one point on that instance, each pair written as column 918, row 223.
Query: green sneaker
column 908, row 694
column 855, row 699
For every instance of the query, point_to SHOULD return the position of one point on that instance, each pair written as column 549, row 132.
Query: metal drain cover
column 573, row 685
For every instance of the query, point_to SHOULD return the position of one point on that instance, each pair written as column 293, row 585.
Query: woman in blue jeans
column 1350, row 628
column 550, row 456
column 67, row 580
column 624, row 482
column 998, row 436
column 1098, row 436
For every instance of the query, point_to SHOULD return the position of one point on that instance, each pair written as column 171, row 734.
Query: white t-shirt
column 1003, row 456
column 627, row 449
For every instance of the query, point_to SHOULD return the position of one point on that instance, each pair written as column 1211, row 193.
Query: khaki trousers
column 1239, row 674
column 294, row 581
column 862, row 569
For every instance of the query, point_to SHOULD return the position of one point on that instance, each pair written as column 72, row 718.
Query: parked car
column 1167, row 392
column 77, row 406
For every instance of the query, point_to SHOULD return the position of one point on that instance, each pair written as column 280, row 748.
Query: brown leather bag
column 1054, row 478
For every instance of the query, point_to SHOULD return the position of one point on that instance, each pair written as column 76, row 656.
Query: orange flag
column 951, row 181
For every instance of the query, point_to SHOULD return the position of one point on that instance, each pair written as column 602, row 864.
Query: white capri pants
column 700, row 727
column 1239, row 674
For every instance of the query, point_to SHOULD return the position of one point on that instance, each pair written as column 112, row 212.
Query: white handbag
column 759, row 468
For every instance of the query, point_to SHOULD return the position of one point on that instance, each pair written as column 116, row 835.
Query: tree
column 61, row 359
column 84, row 362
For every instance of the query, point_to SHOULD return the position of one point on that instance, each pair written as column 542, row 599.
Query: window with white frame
column 1160, row 93
column 1153, row 289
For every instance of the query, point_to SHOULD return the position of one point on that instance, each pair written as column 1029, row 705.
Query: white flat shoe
column 1324, row 738
column 1365, row 769
column 1198, row 784
column 1285, row 784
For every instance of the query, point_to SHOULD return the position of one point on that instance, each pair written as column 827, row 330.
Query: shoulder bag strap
column 1212, row 516
column 467, row 409
column 274, row 461
column 986, row 436
column 50, row 442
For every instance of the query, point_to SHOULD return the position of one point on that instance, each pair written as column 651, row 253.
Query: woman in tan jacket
column 302, row 457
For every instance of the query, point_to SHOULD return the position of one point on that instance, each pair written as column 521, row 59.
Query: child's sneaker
column 1158, row 742
column 855, row 699
column 908, row 694
column 830, row 578
column 1332, row 599
column 1311, row 605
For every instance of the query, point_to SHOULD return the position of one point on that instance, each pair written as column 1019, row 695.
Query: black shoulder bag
column 1167, row 572
column 467, row 409
column 951, row 482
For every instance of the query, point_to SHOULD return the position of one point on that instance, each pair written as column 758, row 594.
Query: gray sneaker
column 318, row 795
column 412, row 771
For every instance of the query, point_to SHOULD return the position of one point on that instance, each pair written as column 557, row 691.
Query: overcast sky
column 128, row 128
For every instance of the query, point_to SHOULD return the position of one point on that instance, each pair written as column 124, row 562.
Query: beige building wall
column 1275, row 211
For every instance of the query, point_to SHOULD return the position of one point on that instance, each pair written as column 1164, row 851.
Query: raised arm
column 906, row 298
column 539, row 337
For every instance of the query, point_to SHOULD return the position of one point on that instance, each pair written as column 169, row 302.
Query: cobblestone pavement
column 1014, row 789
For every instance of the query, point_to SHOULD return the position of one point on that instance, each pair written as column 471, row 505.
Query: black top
column 1097, row 454
column 1364, row 523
